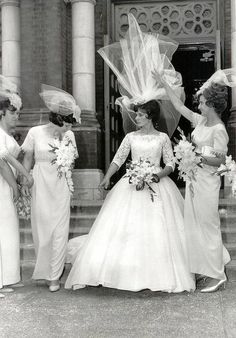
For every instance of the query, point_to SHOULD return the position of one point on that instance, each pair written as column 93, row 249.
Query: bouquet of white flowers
column 23, row 204
column 66, row 153
column 228, row 169
column 141, row 173
column 187, row 159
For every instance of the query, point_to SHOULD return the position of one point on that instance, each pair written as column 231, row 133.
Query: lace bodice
column 213, row 139
column 38, row 140
column 152, row 147
column 8, row 145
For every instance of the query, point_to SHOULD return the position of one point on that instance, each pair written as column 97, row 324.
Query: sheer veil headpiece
column 133, row 59
column 60, row 102
column 9, row 90
column 225, row 77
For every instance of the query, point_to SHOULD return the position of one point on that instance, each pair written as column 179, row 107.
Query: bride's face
column 204, row 109
column 142, row 118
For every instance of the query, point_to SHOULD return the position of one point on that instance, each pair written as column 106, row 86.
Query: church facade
column 55, row 42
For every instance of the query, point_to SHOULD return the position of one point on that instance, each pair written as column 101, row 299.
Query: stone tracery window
column 180, row 20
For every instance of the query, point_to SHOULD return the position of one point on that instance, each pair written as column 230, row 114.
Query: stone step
column 230, row 270
column 27, row 252
column 86, row 207
column 231, row 247
column 229, row 235
column 228, row 220
column 76, row 220
column 228, row 204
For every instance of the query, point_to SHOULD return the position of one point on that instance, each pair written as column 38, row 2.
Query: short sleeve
column 71, row 135
column 197, row 119
column 167, row 153
column 221, row 140
column 3, row 146
column 28, row 144
column 123, row 152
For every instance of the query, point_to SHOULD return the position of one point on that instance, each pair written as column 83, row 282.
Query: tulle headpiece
column 60, row 102
column 226, row 77
column 133, row 59
column 8, row 90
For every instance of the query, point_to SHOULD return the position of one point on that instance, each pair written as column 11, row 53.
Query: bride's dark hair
column 153, row 111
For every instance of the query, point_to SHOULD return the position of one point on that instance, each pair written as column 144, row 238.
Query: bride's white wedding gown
column 135, row 243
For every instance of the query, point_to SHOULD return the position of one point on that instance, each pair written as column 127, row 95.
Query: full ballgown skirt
column 9, row 224
column 135, row 243
column 50, row 206
column 207, row 254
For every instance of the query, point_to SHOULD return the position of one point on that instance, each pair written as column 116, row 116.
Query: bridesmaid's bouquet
column 187, row 159
column 66, row 154
column 142, row 173
column 23, row 204
column 228, row 169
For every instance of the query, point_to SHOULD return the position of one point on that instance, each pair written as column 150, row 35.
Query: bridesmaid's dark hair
column 216, row 96
column 59, row 120
column 5, row 105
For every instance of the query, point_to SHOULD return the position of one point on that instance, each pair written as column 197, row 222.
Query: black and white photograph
column 117, row 168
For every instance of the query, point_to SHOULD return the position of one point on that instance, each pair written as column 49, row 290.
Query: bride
column 136, row 243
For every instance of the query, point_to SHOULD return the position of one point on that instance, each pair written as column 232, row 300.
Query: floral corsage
column 66, row 154
column 141, row 173
column 187, row 159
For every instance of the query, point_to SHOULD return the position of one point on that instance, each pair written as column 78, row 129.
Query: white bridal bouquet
column 228, row 169
column 141, row 173
column 186, row 158
column 66, row 154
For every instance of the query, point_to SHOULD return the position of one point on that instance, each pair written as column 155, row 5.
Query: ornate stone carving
column 177, row 19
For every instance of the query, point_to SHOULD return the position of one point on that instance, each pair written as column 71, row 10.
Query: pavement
column 94, row 312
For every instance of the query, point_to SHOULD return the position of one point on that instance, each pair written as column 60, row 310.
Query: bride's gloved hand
column 105, row 183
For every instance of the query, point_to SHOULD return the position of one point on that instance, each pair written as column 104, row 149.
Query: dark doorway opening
column 196, row 63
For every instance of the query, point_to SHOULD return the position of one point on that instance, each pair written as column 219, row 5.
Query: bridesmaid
column 50, row 208
column 10, row 104
column 207, row 254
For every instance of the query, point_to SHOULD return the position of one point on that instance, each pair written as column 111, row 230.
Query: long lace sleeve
column 28, row 144
column 167, row 152
column 122, row 152
column 3, row 147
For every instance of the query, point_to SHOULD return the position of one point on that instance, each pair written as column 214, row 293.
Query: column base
column 86, row 182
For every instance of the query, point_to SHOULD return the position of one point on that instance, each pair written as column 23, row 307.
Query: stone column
column 87, row 175
column 232, row 120
column 83, row 55
column 10, row 16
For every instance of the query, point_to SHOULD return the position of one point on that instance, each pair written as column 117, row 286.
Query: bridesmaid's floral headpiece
column 224, row 77
column 8, row 90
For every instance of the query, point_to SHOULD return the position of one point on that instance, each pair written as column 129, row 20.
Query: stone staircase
column 84, row 213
